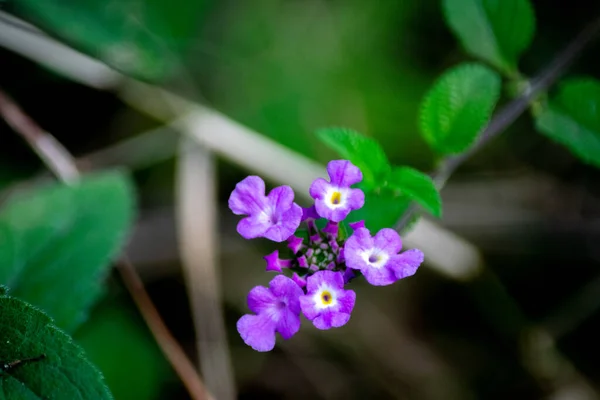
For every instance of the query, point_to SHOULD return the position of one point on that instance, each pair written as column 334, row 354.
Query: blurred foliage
column 46, row 364
column 143, row 38
column 118, row 343
column 497, row 31
column 573, row 118
column 57, row 242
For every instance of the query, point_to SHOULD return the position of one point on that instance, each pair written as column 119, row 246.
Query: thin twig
column 172, row 350
column 62, row 164
column 52, row 153
column 505, row 117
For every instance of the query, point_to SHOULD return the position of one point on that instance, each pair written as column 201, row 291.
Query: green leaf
column 133, row 365
column 58, row 368
column 382, row 209
column 362, row 151
column 146, row 39
column 458, row 107
column 418, row 187
column 497, row 31
column 62, row 240
column 572, row 118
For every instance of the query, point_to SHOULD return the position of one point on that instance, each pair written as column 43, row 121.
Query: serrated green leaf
column 572, row 118
column 62, row 241
column 362, row 151
column 418, row 187
column 63, row 372
column 146, row 39
column 497, row 31
column 458, row 107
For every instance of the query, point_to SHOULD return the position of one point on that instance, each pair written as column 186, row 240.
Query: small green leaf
column 573, row 118
column 497, row 31
column 458, row 107
column 61, row 241
column 418, row 187
column 57, row 368
column 362, row 151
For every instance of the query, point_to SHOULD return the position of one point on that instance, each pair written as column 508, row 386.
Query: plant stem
column 507, row 115
column 62, row 164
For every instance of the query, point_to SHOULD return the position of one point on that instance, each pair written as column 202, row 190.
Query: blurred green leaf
column 61, row 240
column 362, row 151
column 418, row 187
column 119, row 344
column 382, row 209
column 572, row 118
column 497, row 31
column 142, row 38
column 62, row 373
column 458, row 106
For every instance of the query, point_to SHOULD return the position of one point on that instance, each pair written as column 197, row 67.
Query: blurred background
column 526, row 326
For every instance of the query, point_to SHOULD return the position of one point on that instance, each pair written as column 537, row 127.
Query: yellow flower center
column 336, row 198
column 326, row 297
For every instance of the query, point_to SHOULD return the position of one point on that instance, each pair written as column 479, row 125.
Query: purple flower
column 277, row 309
column 275, row 216
column 377, row 257
column 334, row 200
column 326, row 303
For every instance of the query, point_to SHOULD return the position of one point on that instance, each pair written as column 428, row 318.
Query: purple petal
column 382, row 276
column 260, row 299
column 330, row 319
column 252, row 227
column 286, row 226
column 318, row 189
column 359, row 242
column 248, row 197
column 407, row 263
column 332, row 228
column 288, row 291
column 388, row 240
column 343, row 173
column 356, row 225
column 257, row 331
column 295, row 243
column 309, row 213
column 302, row 262
column 288, row 324
column 299, row 280
column 309, row 309
column 335, row 280
column 281, row 198
column 349, row 275
column 273, row 261
column 356, row 199
column 346, row 301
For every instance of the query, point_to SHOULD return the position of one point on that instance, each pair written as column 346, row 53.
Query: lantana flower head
column 322, row 261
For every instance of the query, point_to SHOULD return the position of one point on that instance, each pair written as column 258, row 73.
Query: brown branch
column 52, row 153
column 62, row 164
column 507, row 115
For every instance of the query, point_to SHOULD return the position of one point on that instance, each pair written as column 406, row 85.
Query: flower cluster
column 323, row 260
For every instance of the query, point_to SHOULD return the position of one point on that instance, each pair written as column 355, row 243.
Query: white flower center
column 324, row 298
column 335, row 197
column 375, row 257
